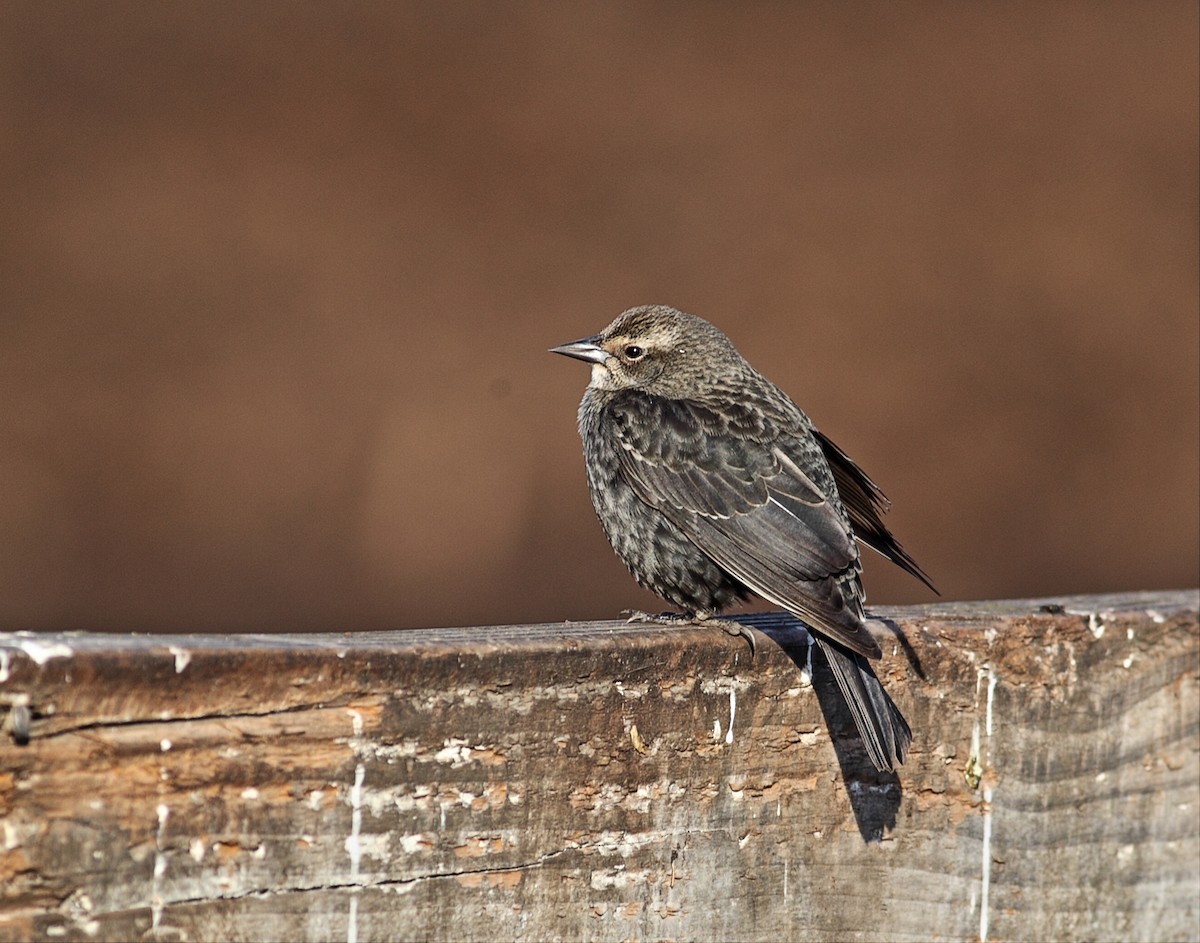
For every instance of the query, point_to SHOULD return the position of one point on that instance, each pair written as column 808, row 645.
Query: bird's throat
column 601, row 378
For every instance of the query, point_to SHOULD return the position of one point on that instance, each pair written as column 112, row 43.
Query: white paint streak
column 354, row 842
column 716, row 730
column 160, row 868
column 974, row 759
column 732, row 714
column 250, row 793
column 182, row 657
column 164, row 744
column 991, row 691
column 352, row 918
column 5, row 661
column 976, row 776
column 985, row 890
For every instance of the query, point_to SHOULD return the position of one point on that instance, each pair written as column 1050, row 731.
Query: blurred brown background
column 277, row 282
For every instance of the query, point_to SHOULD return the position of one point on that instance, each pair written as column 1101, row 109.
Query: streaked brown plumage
column 712, row 485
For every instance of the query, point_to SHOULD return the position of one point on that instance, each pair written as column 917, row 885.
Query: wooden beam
column 607, row 781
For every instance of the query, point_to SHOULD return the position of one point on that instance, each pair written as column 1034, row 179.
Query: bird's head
column 659, row 350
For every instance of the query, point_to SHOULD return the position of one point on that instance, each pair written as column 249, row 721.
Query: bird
column 714, row 487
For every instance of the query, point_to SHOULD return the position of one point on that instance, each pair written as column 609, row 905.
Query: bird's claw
column 736, row 629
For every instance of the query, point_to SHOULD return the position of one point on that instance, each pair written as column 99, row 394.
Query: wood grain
column 604, row 781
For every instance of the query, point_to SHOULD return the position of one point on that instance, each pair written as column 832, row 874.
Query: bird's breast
column 658, row 553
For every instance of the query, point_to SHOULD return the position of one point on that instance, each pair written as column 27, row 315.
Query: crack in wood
column 117, row 723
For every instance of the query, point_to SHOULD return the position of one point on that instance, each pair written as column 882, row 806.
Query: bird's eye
column 633, row 352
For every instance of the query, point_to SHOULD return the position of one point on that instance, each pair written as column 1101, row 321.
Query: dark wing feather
column 752, row 508
column 866, row 504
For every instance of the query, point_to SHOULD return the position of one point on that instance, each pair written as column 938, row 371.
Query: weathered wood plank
column 606, row 781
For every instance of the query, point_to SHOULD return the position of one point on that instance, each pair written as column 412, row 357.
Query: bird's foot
column 736, row 629
column 728, row 626
column 657, row 618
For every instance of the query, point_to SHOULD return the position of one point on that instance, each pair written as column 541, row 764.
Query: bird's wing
column 746, row 500
column 866, row 504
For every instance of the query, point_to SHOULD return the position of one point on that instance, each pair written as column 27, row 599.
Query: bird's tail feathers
column 884, row 731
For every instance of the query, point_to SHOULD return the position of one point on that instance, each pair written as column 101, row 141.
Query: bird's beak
column 587, row 349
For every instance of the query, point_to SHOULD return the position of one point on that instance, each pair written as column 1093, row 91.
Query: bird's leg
column 728, row 626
